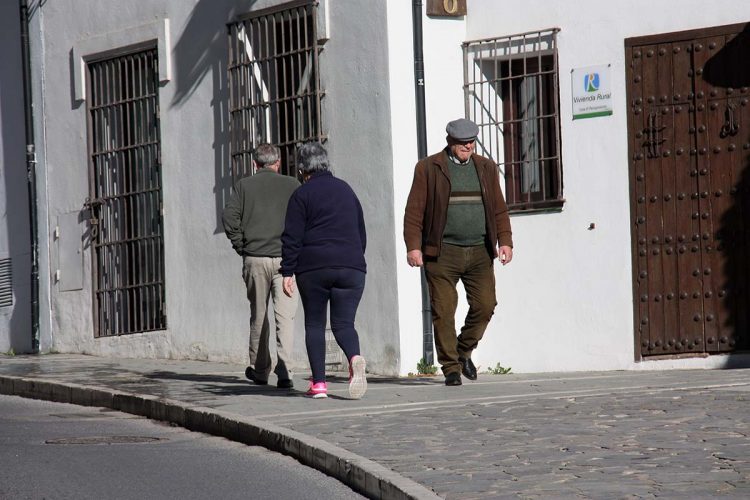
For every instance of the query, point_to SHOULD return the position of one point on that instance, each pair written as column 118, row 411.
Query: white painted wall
column 204, row 296
column 15, row 324
column 444, row 76
column 207, row 311
column 357, row 118
column 443, row 65
column 403, row 132
column 565, row 302
column 15, row 319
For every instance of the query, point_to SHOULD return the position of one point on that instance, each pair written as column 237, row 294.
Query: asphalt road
column 59, row 451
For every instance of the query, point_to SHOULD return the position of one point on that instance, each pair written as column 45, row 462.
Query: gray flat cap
column 462, row 129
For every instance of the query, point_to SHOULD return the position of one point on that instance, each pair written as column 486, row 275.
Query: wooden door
column 689, row 156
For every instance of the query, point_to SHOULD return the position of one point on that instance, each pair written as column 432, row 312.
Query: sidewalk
column 637, row 434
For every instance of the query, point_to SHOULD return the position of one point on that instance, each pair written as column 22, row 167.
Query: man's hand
column 414, row 258
column 288, row 285
column 505, row 254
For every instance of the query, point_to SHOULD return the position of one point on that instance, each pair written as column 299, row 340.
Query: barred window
column 125, row 197
column 511, row 92
column 274, row 90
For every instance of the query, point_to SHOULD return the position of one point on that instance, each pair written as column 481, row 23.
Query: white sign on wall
column 592, row 94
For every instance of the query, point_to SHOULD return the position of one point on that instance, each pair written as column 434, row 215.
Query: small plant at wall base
column 424, row 369
column 10, row 352
column 498, row 370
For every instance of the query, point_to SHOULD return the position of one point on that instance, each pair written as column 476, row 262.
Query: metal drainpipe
column 427, row 351
column 31, row 174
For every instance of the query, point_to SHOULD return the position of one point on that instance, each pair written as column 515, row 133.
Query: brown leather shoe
column 453, row 378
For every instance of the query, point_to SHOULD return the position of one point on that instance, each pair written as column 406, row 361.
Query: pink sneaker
column 357, row 379
column 317, row 391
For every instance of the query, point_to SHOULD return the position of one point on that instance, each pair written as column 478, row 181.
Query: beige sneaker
column 357, row 379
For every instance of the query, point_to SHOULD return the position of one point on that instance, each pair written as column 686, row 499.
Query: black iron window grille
column 274, row 89
column 125, row 203
column 511, row 92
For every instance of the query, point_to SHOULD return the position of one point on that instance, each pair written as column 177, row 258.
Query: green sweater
column 465, row 225
column 254, row 217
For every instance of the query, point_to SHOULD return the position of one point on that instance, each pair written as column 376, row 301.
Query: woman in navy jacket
column 323, row 246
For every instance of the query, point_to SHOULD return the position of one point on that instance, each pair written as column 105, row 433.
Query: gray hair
column 312, row 157
column 266, row 154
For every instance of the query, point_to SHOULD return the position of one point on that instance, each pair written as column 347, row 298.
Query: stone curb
column 359, row 473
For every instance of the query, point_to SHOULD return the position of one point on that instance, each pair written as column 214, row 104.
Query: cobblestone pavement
column 639, row 434
column 678, row 444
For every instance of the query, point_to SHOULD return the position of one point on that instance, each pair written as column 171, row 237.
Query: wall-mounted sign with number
column 446, row 8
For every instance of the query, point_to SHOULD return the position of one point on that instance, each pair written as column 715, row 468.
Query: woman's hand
column 288, row 285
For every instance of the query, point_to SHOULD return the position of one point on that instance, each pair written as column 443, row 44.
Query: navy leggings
column 343, row 288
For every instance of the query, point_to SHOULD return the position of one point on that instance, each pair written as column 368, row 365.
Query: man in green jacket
column 253, row 222
column 456, row 223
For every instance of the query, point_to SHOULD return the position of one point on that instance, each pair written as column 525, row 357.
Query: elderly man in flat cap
column 456, row 223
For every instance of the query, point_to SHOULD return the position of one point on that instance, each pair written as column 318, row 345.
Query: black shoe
column 453, row 378
column 468, row 368
column 251, row 374
column 285, row 383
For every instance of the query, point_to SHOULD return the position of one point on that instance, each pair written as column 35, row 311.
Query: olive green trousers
column 474, row 267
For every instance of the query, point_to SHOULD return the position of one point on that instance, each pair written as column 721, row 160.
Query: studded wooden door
column 689, row 143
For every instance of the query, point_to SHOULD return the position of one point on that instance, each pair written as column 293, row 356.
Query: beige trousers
column 263, row 280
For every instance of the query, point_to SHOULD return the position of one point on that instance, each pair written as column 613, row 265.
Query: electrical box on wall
column 69, row 237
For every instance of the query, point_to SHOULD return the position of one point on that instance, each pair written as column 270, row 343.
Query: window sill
column 550, row 206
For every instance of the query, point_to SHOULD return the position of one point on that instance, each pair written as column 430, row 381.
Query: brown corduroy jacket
column 427, row 205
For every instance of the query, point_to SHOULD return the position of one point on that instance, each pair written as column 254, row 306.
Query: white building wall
column 443, row 65
column 357, row 119
column 565, row 302
column 15, row 318
column 207, row 312
column 204, row 296
column 403, row 132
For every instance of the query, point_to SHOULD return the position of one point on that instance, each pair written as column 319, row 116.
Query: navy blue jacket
column 324, row 227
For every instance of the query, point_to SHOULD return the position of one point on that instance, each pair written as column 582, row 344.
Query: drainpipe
column 31, row 174
column 416, row 12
